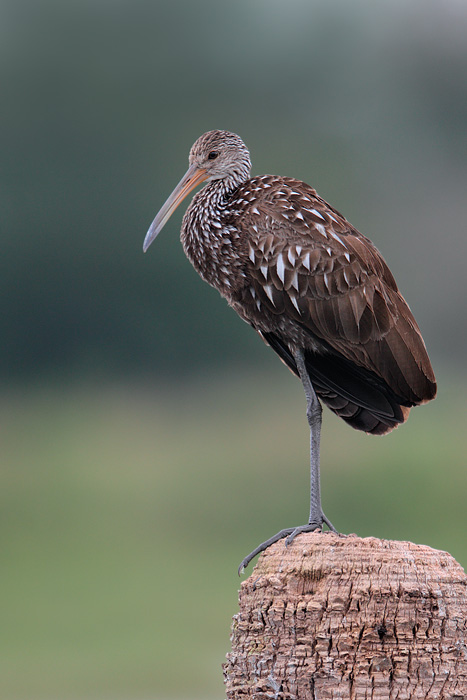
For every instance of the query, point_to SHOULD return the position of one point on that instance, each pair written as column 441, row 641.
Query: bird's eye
column 213, row 155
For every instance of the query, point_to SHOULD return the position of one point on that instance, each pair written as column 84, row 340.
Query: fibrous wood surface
column 336, row 616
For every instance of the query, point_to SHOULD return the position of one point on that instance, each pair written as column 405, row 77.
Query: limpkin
column 314, row 288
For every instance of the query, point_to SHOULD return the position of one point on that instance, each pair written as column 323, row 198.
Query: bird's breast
column 214, row 251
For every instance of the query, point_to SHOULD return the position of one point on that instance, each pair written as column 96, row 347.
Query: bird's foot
column 290, row 534
column 315, row 524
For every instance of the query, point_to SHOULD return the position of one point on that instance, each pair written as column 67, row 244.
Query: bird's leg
column 317, row 517
column 314, row 415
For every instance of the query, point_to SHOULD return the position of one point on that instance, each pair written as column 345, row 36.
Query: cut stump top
column 335, row 616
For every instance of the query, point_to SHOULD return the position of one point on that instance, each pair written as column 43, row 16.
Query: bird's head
column 222, row 155
column 216, row 155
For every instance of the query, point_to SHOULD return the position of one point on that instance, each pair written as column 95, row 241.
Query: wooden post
column 336, row 616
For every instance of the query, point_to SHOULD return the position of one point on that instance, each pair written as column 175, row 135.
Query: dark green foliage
column 101, row 105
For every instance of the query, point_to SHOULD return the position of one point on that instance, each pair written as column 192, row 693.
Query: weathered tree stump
column 336, row 616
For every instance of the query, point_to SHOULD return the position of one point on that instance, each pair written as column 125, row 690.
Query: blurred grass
column 125, row 510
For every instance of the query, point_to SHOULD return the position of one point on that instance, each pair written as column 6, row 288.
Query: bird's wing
column 308, row 262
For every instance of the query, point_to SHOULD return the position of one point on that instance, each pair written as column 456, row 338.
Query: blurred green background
column 149, row 440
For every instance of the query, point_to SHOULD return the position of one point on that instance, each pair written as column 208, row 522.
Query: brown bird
column 314, row 288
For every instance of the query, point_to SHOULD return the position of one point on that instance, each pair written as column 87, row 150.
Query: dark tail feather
column 355, row 394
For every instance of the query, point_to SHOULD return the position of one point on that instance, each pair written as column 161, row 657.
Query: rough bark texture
column 336, row 616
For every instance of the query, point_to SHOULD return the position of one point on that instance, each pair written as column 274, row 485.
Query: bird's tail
column 357, row 395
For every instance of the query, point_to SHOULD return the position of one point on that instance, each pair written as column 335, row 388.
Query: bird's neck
column 205, row 233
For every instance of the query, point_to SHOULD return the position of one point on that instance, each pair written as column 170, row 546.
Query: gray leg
column 317, row 517
column 314, row 416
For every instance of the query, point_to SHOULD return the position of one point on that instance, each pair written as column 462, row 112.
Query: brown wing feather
column 312, row 271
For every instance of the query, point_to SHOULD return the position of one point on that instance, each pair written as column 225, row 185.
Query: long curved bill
column 192, row 177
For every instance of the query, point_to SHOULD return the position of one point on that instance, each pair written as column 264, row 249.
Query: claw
column 290, row 534
column 298, row 530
